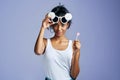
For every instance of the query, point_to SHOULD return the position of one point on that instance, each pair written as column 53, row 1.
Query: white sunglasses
column 63, row 19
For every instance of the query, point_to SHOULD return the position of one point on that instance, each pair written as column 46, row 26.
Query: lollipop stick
column 77, row 35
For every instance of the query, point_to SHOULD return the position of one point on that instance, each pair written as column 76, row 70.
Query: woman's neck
column 59, row 38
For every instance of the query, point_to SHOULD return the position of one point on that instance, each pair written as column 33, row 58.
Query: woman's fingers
column 77, row 44
column 47, row 22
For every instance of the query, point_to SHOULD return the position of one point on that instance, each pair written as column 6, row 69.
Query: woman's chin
column 59, row 35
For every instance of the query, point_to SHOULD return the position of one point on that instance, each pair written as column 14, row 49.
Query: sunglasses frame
column 59, row 18
column 68, row 17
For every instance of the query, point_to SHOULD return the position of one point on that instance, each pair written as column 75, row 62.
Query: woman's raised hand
column 46, row 22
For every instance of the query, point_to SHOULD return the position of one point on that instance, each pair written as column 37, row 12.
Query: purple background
column 98, row 21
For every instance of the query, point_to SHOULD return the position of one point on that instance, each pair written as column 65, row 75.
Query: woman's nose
column 59, row 26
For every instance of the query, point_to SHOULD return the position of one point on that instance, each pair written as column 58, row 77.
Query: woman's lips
column 59, row 33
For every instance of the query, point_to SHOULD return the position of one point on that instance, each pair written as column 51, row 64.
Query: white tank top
column 57, row 62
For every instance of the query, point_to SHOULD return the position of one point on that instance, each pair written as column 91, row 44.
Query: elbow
column 74, row 74
column 37, row 51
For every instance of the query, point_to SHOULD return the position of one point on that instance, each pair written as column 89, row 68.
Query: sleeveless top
column 58, row 62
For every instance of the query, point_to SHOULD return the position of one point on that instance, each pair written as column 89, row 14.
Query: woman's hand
column 46, row 22
column 76, row 45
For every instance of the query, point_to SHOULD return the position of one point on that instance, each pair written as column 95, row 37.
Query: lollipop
column 77, row 35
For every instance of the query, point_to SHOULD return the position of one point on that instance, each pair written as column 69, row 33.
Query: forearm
column 75, row 69
column 39, row 45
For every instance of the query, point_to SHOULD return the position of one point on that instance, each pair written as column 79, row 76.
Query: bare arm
column 75, row 69
column 40, row 44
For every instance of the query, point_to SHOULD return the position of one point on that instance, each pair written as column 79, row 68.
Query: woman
column 61, row 55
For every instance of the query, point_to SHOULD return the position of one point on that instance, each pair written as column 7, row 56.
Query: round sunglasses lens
column 63, row 20
column 55, row 19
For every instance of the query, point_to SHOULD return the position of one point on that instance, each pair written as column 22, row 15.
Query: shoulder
column 46, row 41
column 72, row 42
